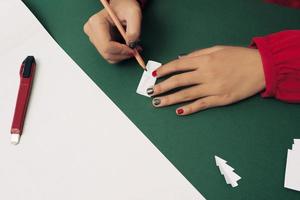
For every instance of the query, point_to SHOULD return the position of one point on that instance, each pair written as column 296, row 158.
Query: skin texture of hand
column 212, row 77
column 99, row 29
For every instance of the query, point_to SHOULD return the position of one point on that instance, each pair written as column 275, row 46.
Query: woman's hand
column 99, row 29
column 212, row 77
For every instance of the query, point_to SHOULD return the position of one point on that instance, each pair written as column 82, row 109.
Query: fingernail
column 154, row 73
column 150, row 91
column 180, row 111
column 182, row 55
column 156, row 101
column 134, row 44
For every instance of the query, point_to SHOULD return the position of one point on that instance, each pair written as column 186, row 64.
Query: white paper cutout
column 147, row 79
column 227, row 171
column 292, row 170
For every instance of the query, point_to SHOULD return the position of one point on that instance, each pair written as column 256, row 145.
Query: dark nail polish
column 180, row 111
column 156, row 101
column 134, row 44
column 154, row 73
column 181, row 55
column 150, row 91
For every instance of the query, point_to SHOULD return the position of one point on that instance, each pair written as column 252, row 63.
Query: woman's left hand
column 212, row 77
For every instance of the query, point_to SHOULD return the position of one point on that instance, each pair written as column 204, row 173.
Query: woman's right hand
column 99, row 30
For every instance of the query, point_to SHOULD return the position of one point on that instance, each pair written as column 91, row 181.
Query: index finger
column 178, row 65
column 133, row 29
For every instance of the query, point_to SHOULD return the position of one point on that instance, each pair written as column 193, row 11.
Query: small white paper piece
column 227, row 171
column 147, row 79
column 292, row 170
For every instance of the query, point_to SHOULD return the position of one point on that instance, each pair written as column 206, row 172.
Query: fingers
column 188, row 62
column 98, row 27
column 98, row 30
column 180, row 80
column 116, row 48
column 133, row 26
column 116, row 52
column 203, row 51
column 203, row 104
column 177, row 65
column 184, row 95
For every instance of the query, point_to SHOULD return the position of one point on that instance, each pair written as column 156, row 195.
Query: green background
column 252, row 135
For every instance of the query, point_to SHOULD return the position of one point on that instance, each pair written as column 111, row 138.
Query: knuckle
column 86, row 28
column 202, row 105
column 218, row 46
column 133, row 35
column 106, row 50
column 228, row 98
column 111, row 61
column 175, row 80
column 158, row 88
column 177, row 63
column 185, row 96
column 93, row 19
column 208, row 58
column 106, row 56
column 135, row 11
column 167, row 100
column 190, row 109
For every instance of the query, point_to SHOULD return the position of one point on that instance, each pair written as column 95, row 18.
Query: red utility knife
column 27, row 72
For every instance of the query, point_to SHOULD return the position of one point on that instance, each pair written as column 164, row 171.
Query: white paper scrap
column 147, row 79
column 227, row 171
column 292, row 170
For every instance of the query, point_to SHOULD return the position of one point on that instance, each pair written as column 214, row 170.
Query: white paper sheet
column 76, row 144
column 292, row 171
column 147, row 80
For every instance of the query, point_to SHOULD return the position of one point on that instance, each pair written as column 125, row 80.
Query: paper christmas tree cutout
column 292, row 173
column 227, row 171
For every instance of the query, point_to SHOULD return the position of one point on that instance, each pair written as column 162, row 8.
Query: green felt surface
column 253, row 135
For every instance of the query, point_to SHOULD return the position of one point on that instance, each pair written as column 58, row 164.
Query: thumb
column 133, row 27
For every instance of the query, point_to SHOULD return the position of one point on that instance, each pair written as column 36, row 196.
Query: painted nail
column 180, row 111
column 182, row 55
column 156, row 101
column 154, row 73
column 134, row 44
column 150, row 91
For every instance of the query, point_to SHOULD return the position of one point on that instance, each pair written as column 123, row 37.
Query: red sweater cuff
column 288, row 3
column 281, row 61
column 267, row 60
